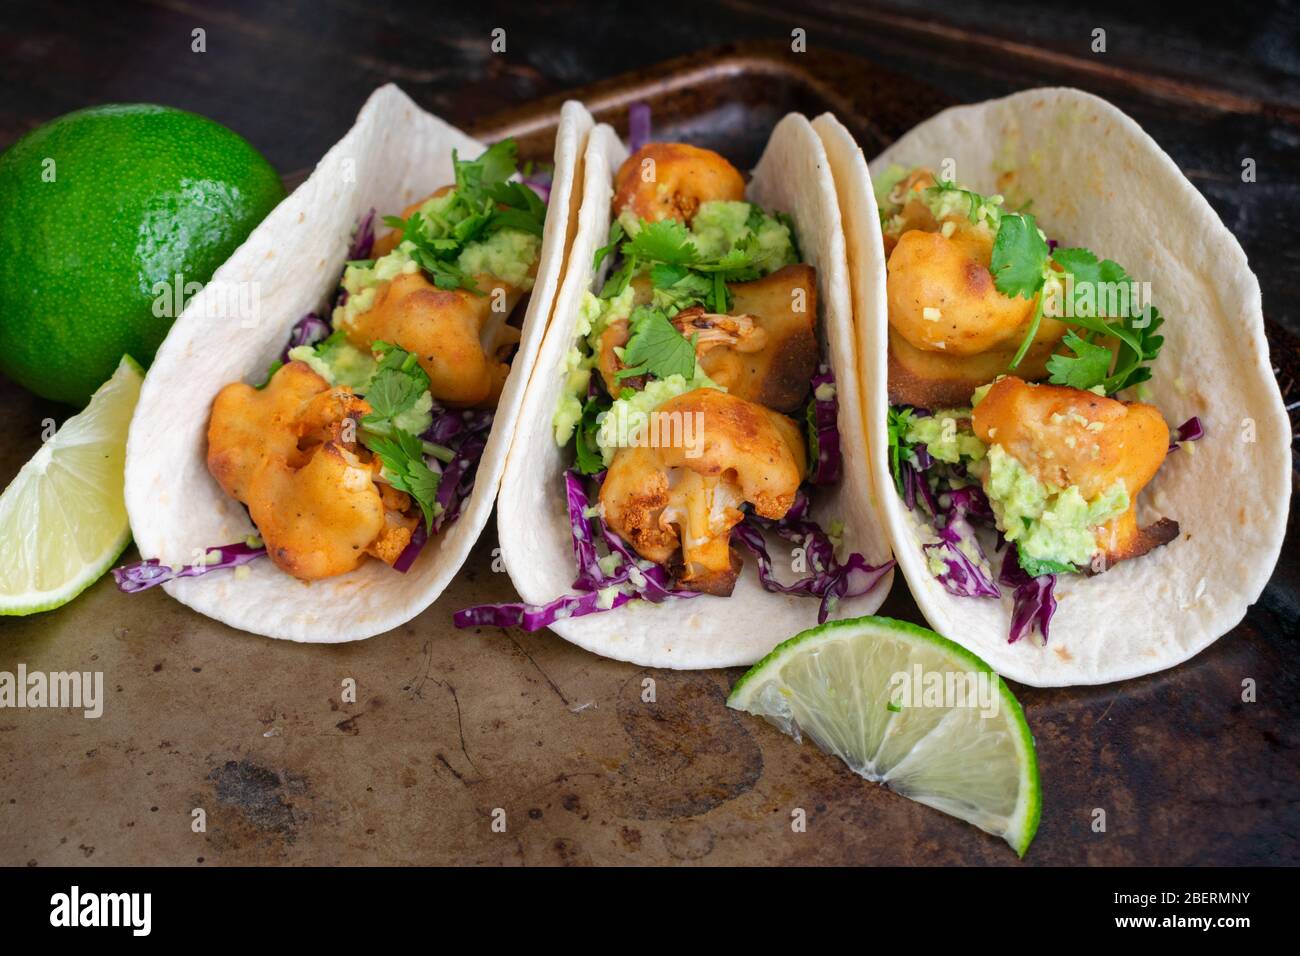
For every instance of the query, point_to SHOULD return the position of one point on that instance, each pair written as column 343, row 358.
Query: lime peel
column 64, row 515
column 835, row 684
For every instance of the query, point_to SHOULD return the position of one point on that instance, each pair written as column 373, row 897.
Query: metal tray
column 450, row 727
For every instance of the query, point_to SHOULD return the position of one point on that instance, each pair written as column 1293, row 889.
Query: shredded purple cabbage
column 465, row 432
column 1035, row 602
column 143, row 575
column 633, row 580
column 539, row 181
column 955, row 513
column 1190, row 430
column 825, row 421
column 308, row 330
column 638, row 126
column 830, row 580
column 363, row 240
column 419, row 538
column 965, row 576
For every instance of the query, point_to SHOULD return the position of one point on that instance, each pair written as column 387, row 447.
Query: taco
column 322, row 477
column 691, row 437
column 1080, row 446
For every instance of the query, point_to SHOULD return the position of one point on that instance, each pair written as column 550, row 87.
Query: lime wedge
column 63, row 518
column 909, row 709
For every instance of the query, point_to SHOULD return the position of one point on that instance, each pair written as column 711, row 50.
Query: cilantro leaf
column 495, row 165
column 1139, row 345
column 665, row 276
column 483, row 203
column 897, row 424
column 1020, row 257
column 664, row 241
column 616, row 236
column 655, row 347
column 270, row 374
column 518, row 207
column 402, row 455
column 588, row 456
column 397, row 384
column 619, row 279
column 677, row 288
column 1036, row 567
column 1088, row 368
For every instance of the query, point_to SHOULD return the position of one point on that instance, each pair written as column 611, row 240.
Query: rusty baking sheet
column 452, row 730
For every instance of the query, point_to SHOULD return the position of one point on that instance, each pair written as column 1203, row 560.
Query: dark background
column 1213, row 85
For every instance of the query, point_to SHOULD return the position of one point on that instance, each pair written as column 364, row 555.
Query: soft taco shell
column 1097, row 180
column 395, row 154
column 536, row 546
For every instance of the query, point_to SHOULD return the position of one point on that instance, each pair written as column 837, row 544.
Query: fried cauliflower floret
column 671, row 181
column 317, row 520
column 942, row 297
column 783, row 306
column 249, row 425
column 676, row 505
column 1067, row 436
column 764, row 351
column 950, row 329
column 459, row 338
column 913, row 212
column 289, row 452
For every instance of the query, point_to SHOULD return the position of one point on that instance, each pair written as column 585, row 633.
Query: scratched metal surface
column 452, row 728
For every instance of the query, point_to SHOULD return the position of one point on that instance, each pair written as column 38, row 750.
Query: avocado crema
column 336, row 454
column 689, row 364
column 1020, row 347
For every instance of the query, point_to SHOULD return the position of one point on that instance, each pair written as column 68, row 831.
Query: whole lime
column 105, row 214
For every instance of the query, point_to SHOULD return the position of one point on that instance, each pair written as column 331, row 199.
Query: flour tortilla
column 395, row 154
column 532, row 521
column 1097, row 180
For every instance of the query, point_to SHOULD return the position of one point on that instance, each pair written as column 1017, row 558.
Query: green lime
column 100, row 211
column 63, row 517
column 907, row 708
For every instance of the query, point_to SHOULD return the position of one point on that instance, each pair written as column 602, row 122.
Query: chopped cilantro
column 402, row 455
column 897, row 424
column 1035, row 567
column 616, row 236
column 484, row 202
column 656, row 348
column 589, row 458
column 397, row 384
column 1020, row 257
column 1089, row 365
column 1022, row 264
column 664, row 241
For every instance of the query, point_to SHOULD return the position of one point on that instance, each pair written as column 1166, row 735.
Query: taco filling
column 364, row 438
column 696, row 401
column 1007, row 356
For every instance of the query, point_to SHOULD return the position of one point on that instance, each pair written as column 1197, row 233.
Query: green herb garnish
column 655, row 347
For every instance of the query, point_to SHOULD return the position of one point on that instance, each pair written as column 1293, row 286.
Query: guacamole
column 340, row 363
column 626, row 415
column 720, row 226
column 508, row 254
column 1046, row 522
column 947, row 436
